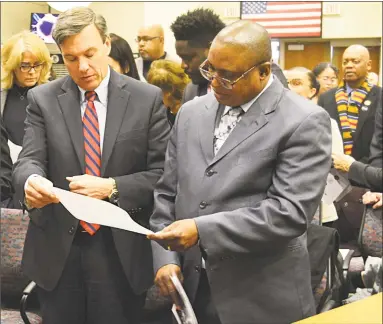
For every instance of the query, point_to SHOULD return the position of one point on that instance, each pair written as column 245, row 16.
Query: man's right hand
column 163, row 281
column 39, row 193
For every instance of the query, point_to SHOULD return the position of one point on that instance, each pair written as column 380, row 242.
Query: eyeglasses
column 145, row 38
column 295, row 82
column 27, row 67
column 226, row 83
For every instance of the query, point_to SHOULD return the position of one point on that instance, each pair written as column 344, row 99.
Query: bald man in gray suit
column 245, row 171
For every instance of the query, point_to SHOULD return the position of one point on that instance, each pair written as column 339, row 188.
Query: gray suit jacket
column 136, row 135
column 3, row 99
column 251, row 202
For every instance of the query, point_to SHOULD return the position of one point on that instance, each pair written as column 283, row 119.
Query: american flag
column 285, row 19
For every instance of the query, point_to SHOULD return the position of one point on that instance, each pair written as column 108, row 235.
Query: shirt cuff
column 30, row 177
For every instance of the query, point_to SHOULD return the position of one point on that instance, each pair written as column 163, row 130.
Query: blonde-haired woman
column 172, row 80
column 25, row 63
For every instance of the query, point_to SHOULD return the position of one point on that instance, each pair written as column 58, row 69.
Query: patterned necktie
column 226, row 125
column 92, row 147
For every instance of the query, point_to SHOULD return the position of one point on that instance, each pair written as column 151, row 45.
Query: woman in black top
column 25, row 63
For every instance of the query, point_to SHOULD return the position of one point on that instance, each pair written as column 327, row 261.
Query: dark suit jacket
column 136, row 135
column 366, row 122
column 251, row 202
column 365, row 175
column 6, row 168
column 376, row 148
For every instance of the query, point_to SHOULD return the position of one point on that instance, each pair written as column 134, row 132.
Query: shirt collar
column 245, row 107
column 101, row 90
column 349, row 89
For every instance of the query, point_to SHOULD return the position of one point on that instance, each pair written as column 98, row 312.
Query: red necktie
column 92, row 147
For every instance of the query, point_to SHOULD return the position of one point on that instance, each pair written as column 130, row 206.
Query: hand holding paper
column 39, row 192
column 97, row 211
column 178, row 236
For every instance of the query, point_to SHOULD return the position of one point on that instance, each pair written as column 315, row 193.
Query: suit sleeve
column 6, row 166
column 164, row 197
column 33, row 156
column 138, row 187
column 366, row 176
column 297, row 187
column 376, row 148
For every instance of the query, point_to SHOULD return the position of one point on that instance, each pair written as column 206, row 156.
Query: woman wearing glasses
column 327, row 76
column 25, row 63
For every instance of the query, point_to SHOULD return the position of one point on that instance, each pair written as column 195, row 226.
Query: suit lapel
column 364, row 112
column 253, row 120
column 206, row 127
column 70, row 106
column 117, row 104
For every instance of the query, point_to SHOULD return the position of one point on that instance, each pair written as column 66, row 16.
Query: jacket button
column 345, row 204
column 210, row 172
column 71, row 230
column 197, row 268
column 203, row 204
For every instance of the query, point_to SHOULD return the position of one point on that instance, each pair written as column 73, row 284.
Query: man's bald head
column 356, row 64
column 240, row 54
column 153, row 29
column 151, row 42
column 359, row 50
column 251, row 39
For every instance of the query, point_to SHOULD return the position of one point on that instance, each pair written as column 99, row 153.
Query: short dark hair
column 199, row 27
column 319, row 68
column 314, row 84
column 122, row 53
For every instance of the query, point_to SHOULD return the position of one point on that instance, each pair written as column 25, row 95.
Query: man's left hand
column 178, row 236
column 91, row 186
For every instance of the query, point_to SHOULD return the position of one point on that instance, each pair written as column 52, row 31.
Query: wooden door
column 374, row 56
column 312, row 54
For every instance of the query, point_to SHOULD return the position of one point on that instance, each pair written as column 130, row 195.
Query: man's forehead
column 148, row 31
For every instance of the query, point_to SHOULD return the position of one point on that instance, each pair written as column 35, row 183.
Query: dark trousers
column 93, row 288
column 203, row 306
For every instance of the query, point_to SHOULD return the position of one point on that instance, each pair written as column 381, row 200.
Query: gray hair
column 73, row 21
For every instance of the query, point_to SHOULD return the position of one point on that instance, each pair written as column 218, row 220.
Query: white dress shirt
column 101, row 104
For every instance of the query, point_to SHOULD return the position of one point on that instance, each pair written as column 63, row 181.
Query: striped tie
column 92, row 147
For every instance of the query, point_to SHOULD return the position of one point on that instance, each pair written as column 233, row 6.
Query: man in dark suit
column 103, row 135
column 355, row 92
column 244, row 173
column 353, row 104
column 376, row 148
column 194, row 32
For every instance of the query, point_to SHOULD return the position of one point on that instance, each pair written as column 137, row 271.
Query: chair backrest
column 326, row 264
column 370, row 234
column 14, row 225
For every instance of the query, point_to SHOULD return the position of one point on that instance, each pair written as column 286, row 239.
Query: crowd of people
column 218, row 151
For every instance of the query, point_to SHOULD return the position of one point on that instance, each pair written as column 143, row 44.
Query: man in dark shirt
column 151, row 43
column 194, row 32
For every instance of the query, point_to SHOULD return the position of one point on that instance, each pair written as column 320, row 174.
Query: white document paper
column 337, row 185
column 182, row 308
column 97, row 211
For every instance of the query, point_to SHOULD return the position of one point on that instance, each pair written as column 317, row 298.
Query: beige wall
column 356, row 20
column 16, row 16
column 122, row 18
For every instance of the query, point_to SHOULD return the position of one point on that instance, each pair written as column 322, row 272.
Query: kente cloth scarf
column 348, row 110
